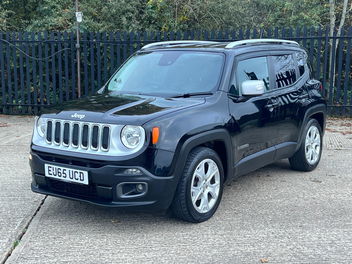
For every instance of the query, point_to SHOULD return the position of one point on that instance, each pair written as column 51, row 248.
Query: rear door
column 287, row 95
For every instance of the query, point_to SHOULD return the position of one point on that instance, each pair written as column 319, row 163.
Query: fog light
column 133, row 172
column 30, row 157
column 131, row 189
column 139, row 187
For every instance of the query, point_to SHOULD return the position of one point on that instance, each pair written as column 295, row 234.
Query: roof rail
column 260, row 41
column 176, row 42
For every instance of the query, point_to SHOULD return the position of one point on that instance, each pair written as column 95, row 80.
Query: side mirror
column 253, row 87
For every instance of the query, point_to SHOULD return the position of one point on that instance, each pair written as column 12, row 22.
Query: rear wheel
column 200, row 189
column 308, row 155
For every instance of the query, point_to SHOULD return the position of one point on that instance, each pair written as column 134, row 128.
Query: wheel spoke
column 213, row 169
column 213, row 190
column 317, row 140
column 200, row 171
column 309, row 153
column 196, row 193
column 313, row 155
column 204, row 205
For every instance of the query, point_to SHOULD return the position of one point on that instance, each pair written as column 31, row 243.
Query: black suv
column 177, row 121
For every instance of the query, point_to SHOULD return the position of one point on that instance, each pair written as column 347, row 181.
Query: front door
column 254, row 121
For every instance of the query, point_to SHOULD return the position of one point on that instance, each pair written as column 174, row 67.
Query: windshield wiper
column 185, row 95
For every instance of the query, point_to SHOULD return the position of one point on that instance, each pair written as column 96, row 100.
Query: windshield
column 168, row 72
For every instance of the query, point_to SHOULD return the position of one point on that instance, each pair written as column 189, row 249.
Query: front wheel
column 308, row 155
column 200, row 189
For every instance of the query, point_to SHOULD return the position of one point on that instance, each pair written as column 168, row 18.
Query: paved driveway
column 273, row 215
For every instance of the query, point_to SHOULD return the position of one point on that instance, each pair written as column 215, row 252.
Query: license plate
column 66, row 174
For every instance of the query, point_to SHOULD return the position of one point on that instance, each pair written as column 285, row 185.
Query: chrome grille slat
column 100, row 133
column 83, row 145
column 97, row 137
column 54, row 138
column 74, row 138
column 62, row 132
column 102, row 137
column 53, row 131
column 70, row 134
column 80, row 130
column 89, row 134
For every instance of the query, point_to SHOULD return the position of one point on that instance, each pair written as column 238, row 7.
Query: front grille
column 82, row 137
column 79, row 135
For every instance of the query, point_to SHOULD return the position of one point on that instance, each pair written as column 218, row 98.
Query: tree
column 18, row 13
column 4, row 19
column 332, row 12
column 164, row 15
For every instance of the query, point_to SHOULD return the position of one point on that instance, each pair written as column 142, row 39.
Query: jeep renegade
column 178, row 120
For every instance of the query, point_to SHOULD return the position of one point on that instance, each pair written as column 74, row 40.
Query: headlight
column 41, row 126
column 132, row 136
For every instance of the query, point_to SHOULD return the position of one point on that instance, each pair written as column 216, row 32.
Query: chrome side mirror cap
column 253, row 87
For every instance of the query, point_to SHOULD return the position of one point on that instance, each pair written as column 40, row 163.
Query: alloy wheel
column 205, row 186
column 312, row 145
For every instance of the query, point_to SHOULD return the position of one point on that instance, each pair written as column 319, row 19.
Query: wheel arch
column 317, row 112
column 320, row 117
column 218, row 140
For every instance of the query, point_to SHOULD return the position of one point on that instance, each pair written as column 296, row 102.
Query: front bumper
column 104, row 185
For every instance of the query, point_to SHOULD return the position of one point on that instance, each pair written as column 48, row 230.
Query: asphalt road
column 273, row 215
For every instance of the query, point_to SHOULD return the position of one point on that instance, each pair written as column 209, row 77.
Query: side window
column 251, row 69
column 301, row 58
column 285, row 70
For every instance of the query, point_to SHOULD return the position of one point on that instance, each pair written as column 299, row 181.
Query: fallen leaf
column 4, row 125
column 264, row 260
column 315, row 180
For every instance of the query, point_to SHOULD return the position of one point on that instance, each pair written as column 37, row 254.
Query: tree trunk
column 333, row 50
column 332, row 30
column 343, row 18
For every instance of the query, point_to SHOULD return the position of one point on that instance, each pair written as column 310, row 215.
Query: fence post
column 325, row 66
column 339, row 68
column 59, row 65
column 347, row 73
column 2, row 73
column 40, row 56
column 332, row 72
column 21, row 80
column 66, row 45
column 8, row 98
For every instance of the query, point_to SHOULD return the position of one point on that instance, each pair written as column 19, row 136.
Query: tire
column 299, row 161
column 194, row 192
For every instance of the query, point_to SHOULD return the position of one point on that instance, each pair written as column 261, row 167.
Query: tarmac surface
column 273, row 215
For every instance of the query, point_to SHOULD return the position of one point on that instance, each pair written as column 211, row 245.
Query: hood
column 127, row 109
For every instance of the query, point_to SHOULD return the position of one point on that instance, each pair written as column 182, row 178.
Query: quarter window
column 252, row 69
column 285, row 70
column 301, row 58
